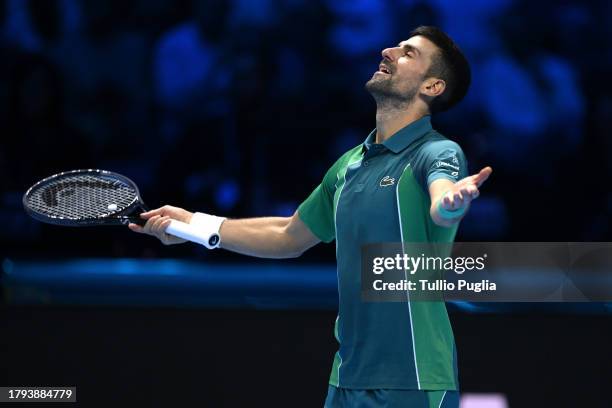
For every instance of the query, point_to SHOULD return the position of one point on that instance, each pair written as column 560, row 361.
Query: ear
column 433, row 87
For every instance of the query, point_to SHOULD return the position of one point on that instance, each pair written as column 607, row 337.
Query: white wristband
column 208, row 224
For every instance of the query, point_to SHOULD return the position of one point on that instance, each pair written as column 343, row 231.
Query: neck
column 392, row 117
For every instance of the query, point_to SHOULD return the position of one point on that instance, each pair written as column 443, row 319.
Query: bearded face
column 402, row 71
column 384, row 85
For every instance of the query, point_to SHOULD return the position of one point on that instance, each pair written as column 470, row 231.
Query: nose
column 388, row 54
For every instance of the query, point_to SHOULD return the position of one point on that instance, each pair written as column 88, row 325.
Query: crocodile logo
column 387, row 181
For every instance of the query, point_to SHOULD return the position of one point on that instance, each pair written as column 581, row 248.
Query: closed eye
column 409, row 50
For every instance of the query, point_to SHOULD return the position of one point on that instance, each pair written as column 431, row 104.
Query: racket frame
column 116, row 218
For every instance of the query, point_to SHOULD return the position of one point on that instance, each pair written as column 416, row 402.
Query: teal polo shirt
column 379, row 193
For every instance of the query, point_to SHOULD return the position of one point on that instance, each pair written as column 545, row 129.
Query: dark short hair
column 448, row 64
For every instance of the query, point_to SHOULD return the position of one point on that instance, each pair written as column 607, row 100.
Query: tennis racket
column 91, row 197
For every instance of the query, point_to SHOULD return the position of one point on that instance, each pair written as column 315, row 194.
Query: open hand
column 464, row 191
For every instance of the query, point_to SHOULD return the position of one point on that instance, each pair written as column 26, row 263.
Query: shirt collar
column 403, row 137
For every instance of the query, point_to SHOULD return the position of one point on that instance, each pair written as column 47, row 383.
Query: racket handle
column 193, row 234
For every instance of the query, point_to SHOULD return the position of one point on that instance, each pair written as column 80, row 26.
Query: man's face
column 402, row 70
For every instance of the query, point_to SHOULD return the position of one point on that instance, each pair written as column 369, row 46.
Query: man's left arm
column 450, row 201
column 444, row 174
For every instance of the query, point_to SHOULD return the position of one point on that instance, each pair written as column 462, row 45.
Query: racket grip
column 193, row 234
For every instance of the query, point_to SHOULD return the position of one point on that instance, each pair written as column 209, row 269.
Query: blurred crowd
column 238, row 107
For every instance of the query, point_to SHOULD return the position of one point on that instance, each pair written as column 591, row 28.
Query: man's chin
column 382, row 91
column 377, row 86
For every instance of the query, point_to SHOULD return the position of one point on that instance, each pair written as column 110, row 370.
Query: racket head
column 84, row 197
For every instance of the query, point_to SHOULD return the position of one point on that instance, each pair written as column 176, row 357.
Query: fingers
column 464, row 191
column 461, row 197
column 457, row 200
column 482, row 176
column 161, row 226
column 136, row 228
column 156, row 225
column 176, row 213
column 158, row 220
column 452, row 200
column 446, row 201
column 469, row 191
column 147, row 227
column 162, row 211
column 151, row 213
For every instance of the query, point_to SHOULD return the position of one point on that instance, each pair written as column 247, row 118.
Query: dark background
column 237, row 108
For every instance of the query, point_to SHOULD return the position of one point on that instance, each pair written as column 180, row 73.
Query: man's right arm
column 266, row 237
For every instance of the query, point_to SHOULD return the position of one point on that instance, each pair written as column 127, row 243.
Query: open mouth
column 383, row 69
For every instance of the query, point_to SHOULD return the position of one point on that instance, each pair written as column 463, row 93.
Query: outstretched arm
column 270, row 237
column 266, row 237
column 450, row 201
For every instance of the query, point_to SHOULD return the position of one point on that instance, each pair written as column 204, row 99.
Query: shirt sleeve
column 443, row 159
column 317, row 211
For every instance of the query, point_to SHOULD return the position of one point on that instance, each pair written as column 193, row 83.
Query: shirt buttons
column 365, row 163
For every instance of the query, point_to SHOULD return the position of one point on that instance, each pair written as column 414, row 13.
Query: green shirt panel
column 317, row 211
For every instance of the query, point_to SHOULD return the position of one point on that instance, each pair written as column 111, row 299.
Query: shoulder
column 436, row 148
column 436, row 143
column 351, row 156
column 439, row 157
column 334, row 172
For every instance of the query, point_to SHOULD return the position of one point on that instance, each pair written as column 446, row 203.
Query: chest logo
column 387, row 181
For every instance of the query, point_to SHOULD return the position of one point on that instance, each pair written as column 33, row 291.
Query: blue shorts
column 385, row 398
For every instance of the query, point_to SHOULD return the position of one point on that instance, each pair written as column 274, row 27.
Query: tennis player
column 406, row 182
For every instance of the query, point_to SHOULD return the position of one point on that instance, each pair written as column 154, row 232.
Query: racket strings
column 67, row 188
column 82, row 197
